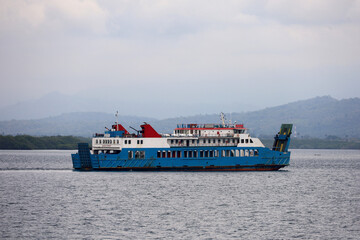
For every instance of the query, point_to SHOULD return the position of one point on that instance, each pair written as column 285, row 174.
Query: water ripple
column 317, row 197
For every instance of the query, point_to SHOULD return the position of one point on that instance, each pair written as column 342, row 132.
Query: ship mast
column 222, row 117
column 117, row 120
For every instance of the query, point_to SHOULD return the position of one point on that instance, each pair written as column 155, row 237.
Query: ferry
column 191, row 147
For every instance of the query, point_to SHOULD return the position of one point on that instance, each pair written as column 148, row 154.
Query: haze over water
column 317, row 197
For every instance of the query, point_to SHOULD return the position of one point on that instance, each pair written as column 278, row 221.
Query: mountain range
column 318, row 117
column 55, row 103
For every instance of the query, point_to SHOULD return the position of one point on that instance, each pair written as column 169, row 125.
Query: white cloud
column 18, row 15
column 74, row 45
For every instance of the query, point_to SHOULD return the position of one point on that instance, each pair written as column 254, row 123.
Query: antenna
column 138, row 131
column 222, row 118
column 117, row 120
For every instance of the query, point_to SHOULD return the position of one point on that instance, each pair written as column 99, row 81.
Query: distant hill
column 51, row 104
column 75, row 124
column 317, row 117
column 108, row 101
column 320, row 117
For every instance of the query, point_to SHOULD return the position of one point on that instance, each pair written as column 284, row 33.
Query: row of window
column 182, row 131
column 197, row 154
column 138, row 141
column 207, row 153
column 178, row 141
column 113, row 141
column 138, row 154
column 193, row 141
column 106, row 141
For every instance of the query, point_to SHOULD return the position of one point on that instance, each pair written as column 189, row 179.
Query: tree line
column 26, row 142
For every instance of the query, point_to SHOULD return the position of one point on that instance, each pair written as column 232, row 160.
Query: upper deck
column 185, row 135
column 209, row 130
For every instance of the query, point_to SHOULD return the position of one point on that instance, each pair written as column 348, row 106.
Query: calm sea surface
column 317, row 197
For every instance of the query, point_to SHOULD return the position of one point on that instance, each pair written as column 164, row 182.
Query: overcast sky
column 213, row 54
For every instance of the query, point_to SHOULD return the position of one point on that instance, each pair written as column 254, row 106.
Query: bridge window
column 246, row 140
column 201, row 153
column 251, row 153
column 179, row 154
column 211, row 153
column 169, row 154
column 96, row 141
column 164, row 154
column 159, row 154
column 195, row 154
column 206, row 153
column 185, row 154
column 246, row 153
column 251, row 141
column 139, row 154
column 130, row 154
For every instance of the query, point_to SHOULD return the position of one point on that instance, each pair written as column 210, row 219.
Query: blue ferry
column 191, row 147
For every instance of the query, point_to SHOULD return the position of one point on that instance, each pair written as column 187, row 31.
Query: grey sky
column 216, row 54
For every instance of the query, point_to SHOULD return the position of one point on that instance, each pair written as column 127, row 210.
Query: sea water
column 316, row 197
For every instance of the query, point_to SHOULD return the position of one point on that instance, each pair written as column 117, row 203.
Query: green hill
column 29, row 142
column 318, row 117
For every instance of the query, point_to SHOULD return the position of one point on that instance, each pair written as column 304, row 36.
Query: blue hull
column 264, row 160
